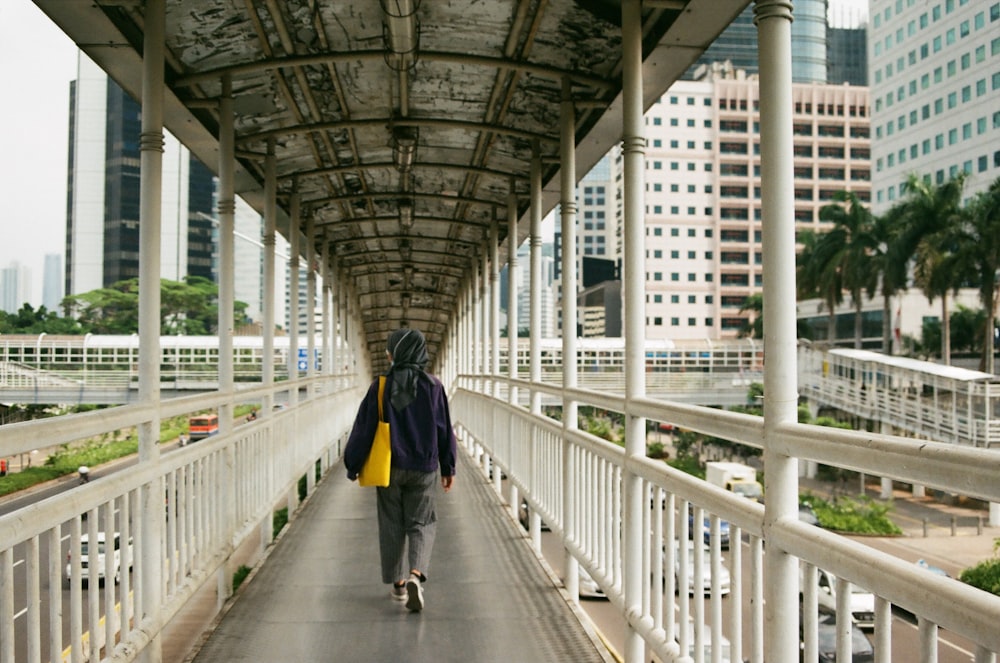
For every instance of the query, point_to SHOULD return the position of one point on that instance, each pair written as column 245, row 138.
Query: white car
column 589, row 589
column 706, row 570
column 862, row 602
column 85, row 558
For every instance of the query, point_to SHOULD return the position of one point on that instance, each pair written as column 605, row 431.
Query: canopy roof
column 375, row 106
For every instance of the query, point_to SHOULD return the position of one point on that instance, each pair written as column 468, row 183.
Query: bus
column 201, row 426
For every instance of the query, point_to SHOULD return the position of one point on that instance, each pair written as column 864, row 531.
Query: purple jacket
column 421, row 434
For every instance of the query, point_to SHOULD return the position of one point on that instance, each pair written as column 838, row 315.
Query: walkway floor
column 318, row 596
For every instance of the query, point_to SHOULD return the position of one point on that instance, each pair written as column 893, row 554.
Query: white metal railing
column 575, row 476
column 184, row 515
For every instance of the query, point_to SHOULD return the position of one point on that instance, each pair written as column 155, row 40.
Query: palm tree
column 847, row 249
column 815, row 276
column 977, row 257
column 930, row 216
column 888, row 266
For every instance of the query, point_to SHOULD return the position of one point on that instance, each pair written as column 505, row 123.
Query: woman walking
column 423, row 446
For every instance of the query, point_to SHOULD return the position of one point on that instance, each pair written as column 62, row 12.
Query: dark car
column 706, row 529
column 522, row 516
column 826, row 638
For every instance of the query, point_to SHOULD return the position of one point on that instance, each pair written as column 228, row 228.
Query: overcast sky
column 37, row 62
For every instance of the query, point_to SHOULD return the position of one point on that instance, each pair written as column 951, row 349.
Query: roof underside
column 473, row 85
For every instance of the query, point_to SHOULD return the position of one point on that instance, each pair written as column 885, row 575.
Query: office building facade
column 935, row 80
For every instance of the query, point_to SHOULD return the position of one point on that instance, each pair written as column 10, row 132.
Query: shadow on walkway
column 319, row 597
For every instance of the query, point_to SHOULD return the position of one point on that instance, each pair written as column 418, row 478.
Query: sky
column 37, row 62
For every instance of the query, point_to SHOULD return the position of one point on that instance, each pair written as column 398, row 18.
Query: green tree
column 815, row 276
column 978, row 259
column 930, row 215
column 189, row 307
column 754, row 327
column 840, row 259
column 30, row 321
column 888, row 266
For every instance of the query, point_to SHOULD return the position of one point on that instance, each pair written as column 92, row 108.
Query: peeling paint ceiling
column 468, row 87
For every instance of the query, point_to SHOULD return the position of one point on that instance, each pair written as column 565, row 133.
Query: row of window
column 941, row 141
column 924, row 20
column 657, row 321
column 801, row 108
column 800, row 129
column 952, row 99
column 726, row 279
column 657, row 231
column 981, row 163
column 657, row 254
column 691, row 299
column 949, row 7
column 657, row 187
column 799, row 149
column 675, row 210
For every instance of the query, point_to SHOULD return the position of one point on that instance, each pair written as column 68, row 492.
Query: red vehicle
column 201, row 426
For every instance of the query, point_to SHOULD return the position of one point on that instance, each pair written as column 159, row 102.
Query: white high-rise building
column 52, row 282
column 934, row 71
column 15, row 287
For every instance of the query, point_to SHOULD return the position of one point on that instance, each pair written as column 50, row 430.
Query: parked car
column 522, row 517
column 826, row 641
column 589, row 589
column 706, row 566
column 861, row 602
column 86, row 556
column 706, row 530
column 937, row 570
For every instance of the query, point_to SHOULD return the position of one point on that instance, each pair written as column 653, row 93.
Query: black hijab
column 409, row 356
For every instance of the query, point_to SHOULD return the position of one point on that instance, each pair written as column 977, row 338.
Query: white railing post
column 150, row 193
column 773, row 19
column 567, row 207
column 633, row 286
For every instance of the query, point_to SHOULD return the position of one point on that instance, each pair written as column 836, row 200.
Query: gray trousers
column 406, row 515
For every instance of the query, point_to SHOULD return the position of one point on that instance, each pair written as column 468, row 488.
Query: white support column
column 226, row 211
column 567, row 207
column 150, row 187
column 486, row 340
column 774, row 21
column 633, row 288
column 512, row 287
column 293, row 304
column 535, row 308
column 327, row 309
column 311, row 303
column 227, row 248
column 495, row 305
column 270, row 225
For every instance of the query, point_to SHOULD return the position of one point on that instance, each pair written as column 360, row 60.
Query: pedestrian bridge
column 399, row 146
column 918, row 398
column 485, row 585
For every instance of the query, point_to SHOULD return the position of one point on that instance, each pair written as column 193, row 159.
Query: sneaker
column 414, row 594
column 399, row 592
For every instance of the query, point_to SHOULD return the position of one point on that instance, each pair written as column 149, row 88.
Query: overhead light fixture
column 405, row 300
column 404, row 147
column 408, row 272
column 406, row 213
column 401, row 33
column 405, row 252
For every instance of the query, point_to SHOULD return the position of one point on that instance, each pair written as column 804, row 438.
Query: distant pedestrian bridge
column 919, row 398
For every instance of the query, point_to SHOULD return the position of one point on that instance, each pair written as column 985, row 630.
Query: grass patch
column 279, row 521
column 240, row 575
column 853, row 515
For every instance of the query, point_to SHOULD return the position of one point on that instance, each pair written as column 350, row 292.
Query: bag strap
column 381, row 390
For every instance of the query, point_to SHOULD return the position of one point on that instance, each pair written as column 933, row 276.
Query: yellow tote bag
column 376, row 469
